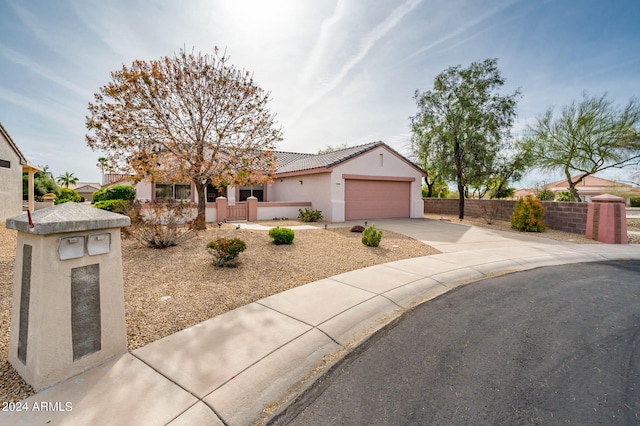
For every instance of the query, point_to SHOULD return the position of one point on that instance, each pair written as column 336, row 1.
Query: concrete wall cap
column 607, row 198
column 67, row 217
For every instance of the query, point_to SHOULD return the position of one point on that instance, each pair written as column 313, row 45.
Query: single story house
column 370, row 181
column 12, row 164
column 85, row 189
column 592, row 186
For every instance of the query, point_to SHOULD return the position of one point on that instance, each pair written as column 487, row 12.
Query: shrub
column 358, row 228
column 115, row 206
column 161, row 225
column 545, row 195
column 282, row 235
column 225, row 251
column 635, row 202
column 371, row 237
column 527, row 215
column 117, row 192
column 308, row 215
column 67, row 195
column 564, row 196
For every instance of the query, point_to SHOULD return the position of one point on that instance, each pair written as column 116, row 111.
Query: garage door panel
column 376, row 199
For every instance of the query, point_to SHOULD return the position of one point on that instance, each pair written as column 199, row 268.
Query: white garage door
column 377, row 199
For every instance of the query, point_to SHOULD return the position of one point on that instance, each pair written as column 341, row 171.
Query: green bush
column 635, row 202
column 115, row 206
column 67, row 195
column 564, row 196
column 371, row 237
column 527, row 215
column 282, row 235
column 117, row 192
column 545, row 195
column 308, row 215
column 225, row 251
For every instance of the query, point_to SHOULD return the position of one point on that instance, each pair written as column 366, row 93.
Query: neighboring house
column 592, row 186
column 85, row 189
column 12, row 164
column 369, row 181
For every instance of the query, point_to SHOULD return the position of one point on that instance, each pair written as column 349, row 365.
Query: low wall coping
column 67, row 217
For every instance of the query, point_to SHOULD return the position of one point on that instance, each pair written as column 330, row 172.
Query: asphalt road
column 555, row 345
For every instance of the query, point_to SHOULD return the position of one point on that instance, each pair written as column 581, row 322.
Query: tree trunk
column 574, row 191
column 429, row 188
column 457, row 154
column 199, row 224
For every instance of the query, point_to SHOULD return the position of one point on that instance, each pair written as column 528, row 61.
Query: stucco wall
column 10, row 182
column 314, row 188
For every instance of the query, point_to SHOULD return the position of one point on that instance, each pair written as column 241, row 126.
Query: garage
column 377, row 199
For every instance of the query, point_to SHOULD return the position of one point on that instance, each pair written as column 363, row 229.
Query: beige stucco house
column 368, row 181
column 12, row 164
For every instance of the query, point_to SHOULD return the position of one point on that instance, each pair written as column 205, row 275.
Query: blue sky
column 339, row 71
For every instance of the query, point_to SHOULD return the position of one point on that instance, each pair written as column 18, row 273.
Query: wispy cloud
column 462, row 29
column 321, row 42
column 368, row 43
column 36, row 68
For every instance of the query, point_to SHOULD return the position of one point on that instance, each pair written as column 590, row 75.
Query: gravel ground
column 172, row 289
column 169, row 290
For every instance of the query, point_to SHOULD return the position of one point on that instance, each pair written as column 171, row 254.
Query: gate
column 237, row 211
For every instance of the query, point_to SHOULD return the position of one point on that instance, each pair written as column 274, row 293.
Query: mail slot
column 71, row 247
column 99, row 243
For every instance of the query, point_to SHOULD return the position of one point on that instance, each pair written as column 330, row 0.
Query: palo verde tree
column 190, row 117
column 587, row 137
column 462, row 123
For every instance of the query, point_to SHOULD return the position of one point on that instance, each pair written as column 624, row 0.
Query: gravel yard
column 172, row 289
column 169, row 290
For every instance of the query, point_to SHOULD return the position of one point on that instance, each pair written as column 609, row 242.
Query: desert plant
column 357, row 228
column 161, row 225
column 67, row 195
column 117, row 192
column 564, row 196
column 115, row 206
column 635, row 202
column 282, row 235
column 527, row 215
column 308, row 215
column 545, row 195
column 371, row 237
column 225, row 251
column 490, row 212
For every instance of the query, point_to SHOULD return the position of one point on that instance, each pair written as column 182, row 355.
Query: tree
column 587, row 137
column 462, row 124
column 67, row 179
column 43, row 183
column 331, row 148
column 190, row 117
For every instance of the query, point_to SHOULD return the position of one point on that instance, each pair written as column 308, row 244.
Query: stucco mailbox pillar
column 607, row 219
column 68, row 299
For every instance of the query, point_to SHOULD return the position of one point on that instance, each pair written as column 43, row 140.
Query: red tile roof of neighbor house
column 590, row 182
column 289, row 162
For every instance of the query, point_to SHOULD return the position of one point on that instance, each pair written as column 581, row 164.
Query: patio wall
column 562, row 216
column 266, row 210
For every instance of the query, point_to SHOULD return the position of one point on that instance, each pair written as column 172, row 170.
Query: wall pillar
column 221, row 209
column 68, row 298
column 607, row 219
column 252, row 209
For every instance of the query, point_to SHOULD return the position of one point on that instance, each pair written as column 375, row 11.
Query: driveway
column 554, row 345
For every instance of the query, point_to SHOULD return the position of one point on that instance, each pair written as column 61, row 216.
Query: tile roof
column 287, row 161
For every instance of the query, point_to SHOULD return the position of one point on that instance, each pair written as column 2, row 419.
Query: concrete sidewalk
column 241, row 367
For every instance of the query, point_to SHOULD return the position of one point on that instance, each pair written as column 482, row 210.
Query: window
column 214, row 192
column 177, row 191
column 254, row 190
